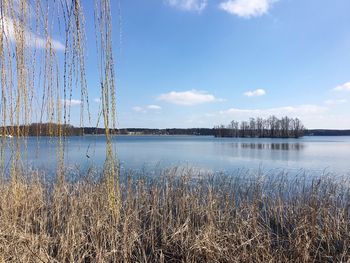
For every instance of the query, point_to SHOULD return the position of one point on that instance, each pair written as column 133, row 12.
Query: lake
column 313, row 154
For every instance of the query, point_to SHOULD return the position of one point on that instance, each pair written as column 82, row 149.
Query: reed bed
column 177, row 215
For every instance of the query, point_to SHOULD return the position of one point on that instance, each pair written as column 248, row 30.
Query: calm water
column 214, row 154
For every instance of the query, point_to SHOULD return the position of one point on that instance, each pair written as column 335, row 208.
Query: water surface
column 316, row 154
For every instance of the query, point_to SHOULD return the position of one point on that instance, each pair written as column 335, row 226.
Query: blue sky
column 200, row 63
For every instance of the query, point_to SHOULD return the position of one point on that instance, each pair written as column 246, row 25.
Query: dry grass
column 179, row 217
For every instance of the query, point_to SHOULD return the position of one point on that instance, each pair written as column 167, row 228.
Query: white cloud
column 32, row 40
column 335, row 102
column 343, row 87
column 291, row 111
column 247, row 8
column 187, row 98
column 151, row 107
column 255, row 93
column 154, row 107
column 313, row 116
column 138, row 109
column 189, row 5
column 97, row 100
column 72, row 102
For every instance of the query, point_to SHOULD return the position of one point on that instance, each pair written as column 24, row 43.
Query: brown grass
column 181, row 216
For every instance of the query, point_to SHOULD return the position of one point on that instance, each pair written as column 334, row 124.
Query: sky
column 201, row 63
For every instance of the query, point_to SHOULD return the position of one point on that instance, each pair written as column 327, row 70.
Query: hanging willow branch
column 103, row 30
column 37, row 86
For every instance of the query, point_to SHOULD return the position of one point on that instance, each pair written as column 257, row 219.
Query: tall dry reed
column 179, row 216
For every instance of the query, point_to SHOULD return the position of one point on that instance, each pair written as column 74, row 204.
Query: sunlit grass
column 179, row 215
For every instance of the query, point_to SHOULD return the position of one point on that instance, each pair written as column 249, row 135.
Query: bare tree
column 271, row 127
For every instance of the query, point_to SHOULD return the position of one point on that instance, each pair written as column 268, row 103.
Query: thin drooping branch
column 38, row 73
column 103, row 30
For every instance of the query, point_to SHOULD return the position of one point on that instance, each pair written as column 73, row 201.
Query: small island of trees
column 271, row 127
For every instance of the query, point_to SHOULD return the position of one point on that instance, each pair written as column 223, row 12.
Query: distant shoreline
column 51, row 130
column 179, row 135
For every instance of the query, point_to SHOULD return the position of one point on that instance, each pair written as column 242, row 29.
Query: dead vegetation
column 182, row 216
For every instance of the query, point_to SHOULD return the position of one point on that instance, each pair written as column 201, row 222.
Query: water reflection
column 271, row 146
column 217, row 154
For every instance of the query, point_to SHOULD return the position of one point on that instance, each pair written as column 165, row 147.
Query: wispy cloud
column 187, row 98
column 72, row 102
column 292, row 111
column 97, row 100
column 154, row 107
column 247, row 8
column 343, row 87
column 139, row 109
column 312, row 115
column 255, row 93
column 335, row 102
column 189, row 5
column 146, row 109
column 31, row 39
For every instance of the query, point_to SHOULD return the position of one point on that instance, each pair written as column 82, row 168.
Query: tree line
column 54, row 129
column 271, row 127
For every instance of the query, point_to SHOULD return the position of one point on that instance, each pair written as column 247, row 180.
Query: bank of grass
column 178, row 216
